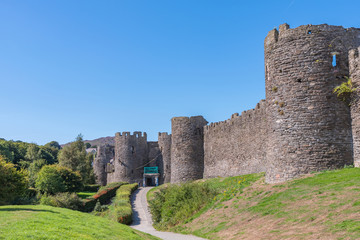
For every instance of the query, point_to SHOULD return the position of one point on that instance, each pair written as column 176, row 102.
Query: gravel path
column 142, row 218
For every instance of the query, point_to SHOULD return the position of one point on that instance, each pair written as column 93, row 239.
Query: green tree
column 34, row 169
column 74, row 156
column 49, row 181
column 13, row 183
column 54, row 178
column 53, row 147
column 53, row 144
column 87, row 145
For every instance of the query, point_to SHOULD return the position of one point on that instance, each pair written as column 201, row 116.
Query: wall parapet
column 245, row 117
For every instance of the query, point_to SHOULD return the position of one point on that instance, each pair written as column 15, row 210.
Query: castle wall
column 187, row 148
column 104, row 154
column 354, row 65
column 309, row 128
column 236, row 146
column 131, row 154
column 155, row 159
column 164, row 141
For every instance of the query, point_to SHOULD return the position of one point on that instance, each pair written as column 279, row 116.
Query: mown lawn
column 84, row 195
column 45, row 222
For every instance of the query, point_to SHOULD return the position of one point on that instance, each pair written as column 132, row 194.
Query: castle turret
column 165, row 148
column 354, row 65
column 309, row 127
column 187, row 148
column 104, row 154
column 131, row 154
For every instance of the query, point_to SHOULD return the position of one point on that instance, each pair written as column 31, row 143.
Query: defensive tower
column 187, row 148
column 309, row 128
column 354, row 65
column 131, row 154
column 104, row 154
column 164, row 141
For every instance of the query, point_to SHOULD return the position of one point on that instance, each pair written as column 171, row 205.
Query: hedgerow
column 120, row 210
column 104, row 195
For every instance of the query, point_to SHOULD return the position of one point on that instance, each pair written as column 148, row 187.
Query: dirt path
column 142, row 219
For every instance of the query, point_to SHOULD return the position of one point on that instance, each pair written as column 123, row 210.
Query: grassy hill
column 44, row 222
column 97, row 141
column 322, row 205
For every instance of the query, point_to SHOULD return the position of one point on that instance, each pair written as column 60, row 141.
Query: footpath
column 142, row 218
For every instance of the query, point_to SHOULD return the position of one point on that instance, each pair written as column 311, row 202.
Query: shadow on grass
column 25, row 209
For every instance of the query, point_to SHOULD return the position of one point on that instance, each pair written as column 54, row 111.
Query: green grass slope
column 45, row 222
column 322, row 205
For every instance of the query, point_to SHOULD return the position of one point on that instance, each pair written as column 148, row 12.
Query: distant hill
column 98, row 141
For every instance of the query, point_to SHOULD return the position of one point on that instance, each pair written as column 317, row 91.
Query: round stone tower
column 164, row 141
column 309, row 127
column 130, row 157
column 187, row 148
column 104, row 154
column 354, row 62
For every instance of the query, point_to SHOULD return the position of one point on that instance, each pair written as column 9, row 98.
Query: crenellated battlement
column 305, row 32
column 246, row 117
column 136, row 134
column 163, row 134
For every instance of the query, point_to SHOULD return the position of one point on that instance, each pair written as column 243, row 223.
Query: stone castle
column 300, row 127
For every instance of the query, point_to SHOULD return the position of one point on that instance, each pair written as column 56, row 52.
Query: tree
column 52, row 147
column 34, row 169
column 74, row 156
column 87, row 145
column 13, row 183
column 49, row 181
column 53, row 179
column 53, row 144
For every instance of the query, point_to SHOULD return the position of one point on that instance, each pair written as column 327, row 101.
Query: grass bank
column 120, row 210
column 322, row 205
column 45, row 222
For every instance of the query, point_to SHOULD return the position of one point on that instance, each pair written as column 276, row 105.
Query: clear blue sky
column 99, row 67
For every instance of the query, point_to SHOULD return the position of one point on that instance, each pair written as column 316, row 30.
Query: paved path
column 142, row 218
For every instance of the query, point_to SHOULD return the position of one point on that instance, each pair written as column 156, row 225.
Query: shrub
column 345, row 90
column 13, row 183
column 29, row 197
column 120, row 210
column 63, row 200
column 104, row 195
column 91, row 188
column 54, row 178
column 176, row 203
column 100, row 208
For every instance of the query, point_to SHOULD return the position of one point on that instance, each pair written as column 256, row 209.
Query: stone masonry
column 301, row 126
column 238, row 145
column 354, row 64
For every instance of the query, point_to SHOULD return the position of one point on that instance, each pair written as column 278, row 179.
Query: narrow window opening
column 334, row 60
column 309, row 32
column 132, row 171
column 280, row 71
column 132, row 149
column 298, row 80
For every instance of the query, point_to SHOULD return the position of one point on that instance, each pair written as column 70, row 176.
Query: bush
column 104, row 195
column 13, row 183
column 120, row 210
column 53, row 179
column 63, row 200
column 29, row 197
column 176, row 203
column 91, row 188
